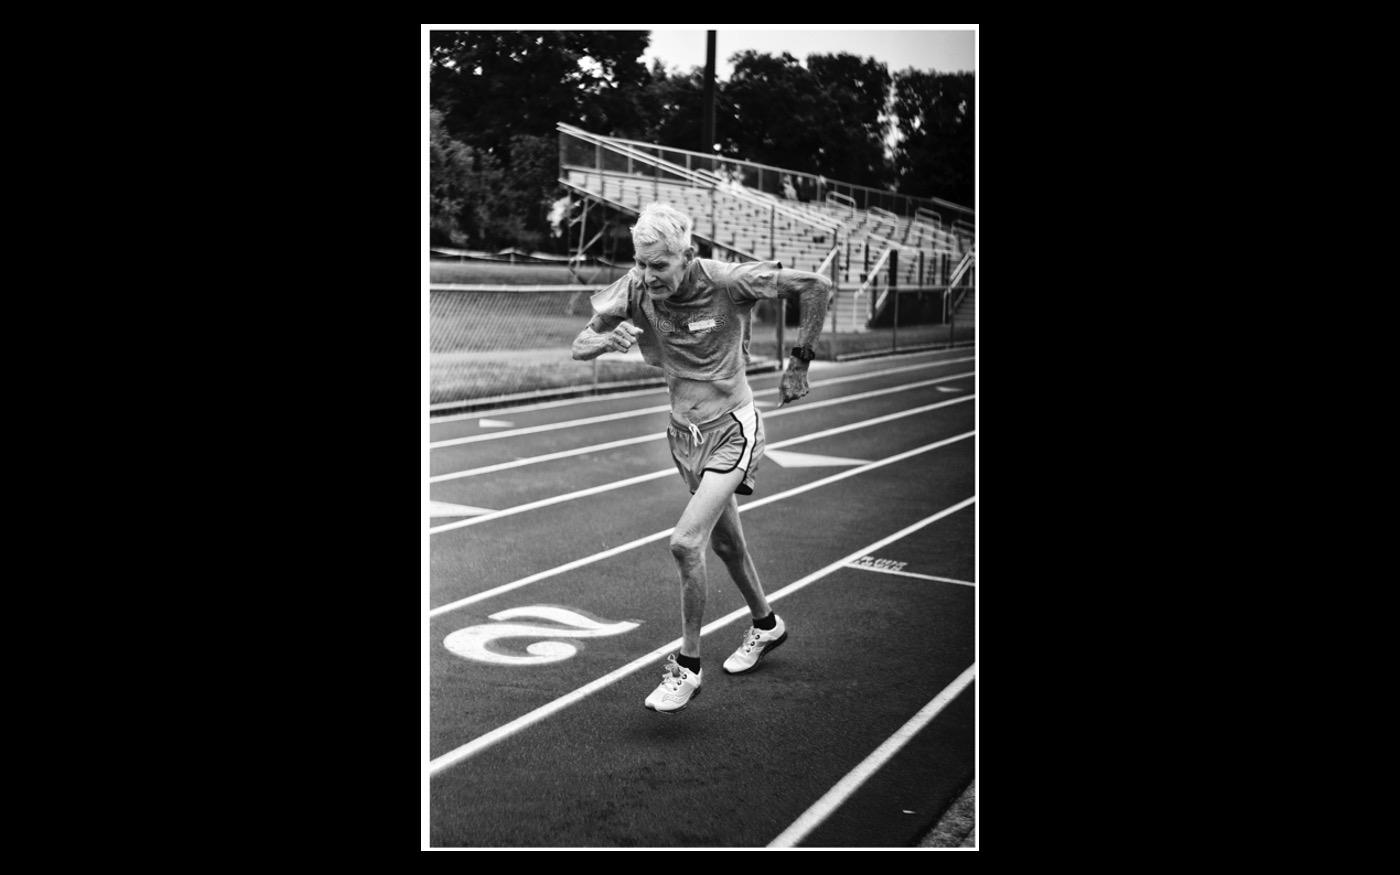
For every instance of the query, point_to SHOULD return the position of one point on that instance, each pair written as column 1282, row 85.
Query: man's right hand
column 622, row 337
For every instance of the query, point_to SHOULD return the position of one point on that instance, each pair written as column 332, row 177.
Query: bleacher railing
column 928, row 216
column 842, row 201
column 964, row 269
column 874, row 280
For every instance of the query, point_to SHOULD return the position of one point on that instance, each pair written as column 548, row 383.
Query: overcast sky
column 940, row 48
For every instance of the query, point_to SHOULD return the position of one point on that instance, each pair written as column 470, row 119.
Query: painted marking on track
column 642, row 478
column 643, row 411
column 656, row 536
column 495, row 423
column 879, row 564
column 500, row 733
column 623, row 442
column 837, row 795
column 473, row 642
column 809, row 460
column 949, row 389
column 909, row 574
column 444, row 508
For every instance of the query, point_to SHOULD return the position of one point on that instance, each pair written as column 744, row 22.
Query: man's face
column 661, row 270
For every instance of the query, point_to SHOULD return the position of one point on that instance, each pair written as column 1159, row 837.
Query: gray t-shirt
column 702, row 333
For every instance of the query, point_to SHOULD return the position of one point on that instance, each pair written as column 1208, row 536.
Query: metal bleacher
column 861, row 246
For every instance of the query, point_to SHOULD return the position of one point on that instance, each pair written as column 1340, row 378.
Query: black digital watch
column 803, row 353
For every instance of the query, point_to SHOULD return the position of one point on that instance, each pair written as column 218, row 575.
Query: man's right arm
column 604, row 334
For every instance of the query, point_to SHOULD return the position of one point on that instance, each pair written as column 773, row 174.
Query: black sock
column 691, row 663
column 767, row 622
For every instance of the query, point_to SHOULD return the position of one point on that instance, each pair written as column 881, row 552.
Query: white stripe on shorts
column 748, row 424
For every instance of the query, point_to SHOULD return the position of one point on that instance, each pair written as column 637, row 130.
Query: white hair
column 662, row 223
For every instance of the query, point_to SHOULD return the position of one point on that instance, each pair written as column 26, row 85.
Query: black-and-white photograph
column 700, row 437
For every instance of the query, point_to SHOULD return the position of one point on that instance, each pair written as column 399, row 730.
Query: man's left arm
column 810, row 291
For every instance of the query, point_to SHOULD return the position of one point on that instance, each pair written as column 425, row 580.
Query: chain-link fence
column 506, row 340
column 905, row 320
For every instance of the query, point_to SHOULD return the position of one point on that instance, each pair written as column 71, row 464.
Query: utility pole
column 707, row 123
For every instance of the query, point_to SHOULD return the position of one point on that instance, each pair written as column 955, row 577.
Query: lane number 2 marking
column 472, row 642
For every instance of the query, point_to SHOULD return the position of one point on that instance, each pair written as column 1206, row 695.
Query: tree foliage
column 499, row 95
column 465, row 191
column 672, row 109
column 493, row 85
column 856, row 90
column 937, row 115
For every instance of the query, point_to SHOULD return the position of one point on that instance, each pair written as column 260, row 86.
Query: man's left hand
column 793, row 385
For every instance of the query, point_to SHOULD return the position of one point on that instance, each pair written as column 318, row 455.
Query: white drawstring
column 694, row 433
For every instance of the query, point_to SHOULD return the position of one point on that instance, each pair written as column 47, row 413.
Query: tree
column 937, row 121
column 500, row 95
column 672, row 108
column 494, row 85
column 823, row 118
column 470, row 197
column 449, row 168
column 772, row 113
column 857, row 92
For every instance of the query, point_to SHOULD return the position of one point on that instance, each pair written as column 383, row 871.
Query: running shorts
column 734, row 440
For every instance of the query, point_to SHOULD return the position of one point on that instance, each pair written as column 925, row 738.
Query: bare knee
column 688, row 548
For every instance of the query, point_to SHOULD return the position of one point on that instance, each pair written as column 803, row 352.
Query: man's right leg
column 714, row 494
column 682, row 678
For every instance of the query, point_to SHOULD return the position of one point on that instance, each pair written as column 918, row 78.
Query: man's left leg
column 768, row 630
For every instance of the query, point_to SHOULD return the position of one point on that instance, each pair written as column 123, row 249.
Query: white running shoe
column 757, row 642
column 678, row 686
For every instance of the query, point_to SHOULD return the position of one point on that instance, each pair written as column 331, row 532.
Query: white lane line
column 656, row 536
column 911, row 574
column 787, row 459
column 552, row 500
column 447, row 508
column 482, row 742
column 548, row 457
column 838, row 794
column 642, row 478
column 549, row 426
column 624, row 442
column 651, row 390
column 545, row 405
column 626, row 414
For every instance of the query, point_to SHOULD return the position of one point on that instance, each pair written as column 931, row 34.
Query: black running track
column 538, row 738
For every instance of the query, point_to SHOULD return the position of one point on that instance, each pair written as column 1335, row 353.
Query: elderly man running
column 691, row 317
